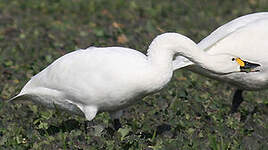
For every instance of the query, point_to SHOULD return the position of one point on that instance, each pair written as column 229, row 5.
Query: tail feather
column 18, row 98
column 47, row 101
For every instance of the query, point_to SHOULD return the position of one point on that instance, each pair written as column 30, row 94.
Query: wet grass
column 192, row 112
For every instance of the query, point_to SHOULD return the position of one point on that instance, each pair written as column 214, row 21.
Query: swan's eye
column 233, row 59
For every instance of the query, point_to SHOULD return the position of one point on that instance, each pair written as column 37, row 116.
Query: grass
column 192, row 112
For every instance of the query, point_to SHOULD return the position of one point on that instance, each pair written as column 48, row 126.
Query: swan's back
column 229, row 28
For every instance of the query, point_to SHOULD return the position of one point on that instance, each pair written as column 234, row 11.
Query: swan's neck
column 160, row 58
column 161, row 70
column 165, row 46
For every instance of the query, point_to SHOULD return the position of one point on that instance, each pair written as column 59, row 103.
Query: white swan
column 112, row 78
column 246, row 37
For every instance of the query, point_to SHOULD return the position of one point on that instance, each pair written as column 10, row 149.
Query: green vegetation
column 192, row 112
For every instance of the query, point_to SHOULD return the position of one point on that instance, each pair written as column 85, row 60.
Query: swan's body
column 110, row 79
column 246, row 37
column 97, row 79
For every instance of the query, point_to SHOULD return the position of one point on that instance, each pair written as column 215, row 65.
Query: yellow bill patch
column 240, row 62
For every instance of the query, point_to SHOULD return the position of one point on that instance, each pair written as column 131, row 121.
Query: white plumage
column 112, row 78
column 245, row 37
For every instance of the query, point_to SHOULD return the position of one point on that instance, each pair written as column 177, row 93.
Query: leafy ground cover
column 192, row 112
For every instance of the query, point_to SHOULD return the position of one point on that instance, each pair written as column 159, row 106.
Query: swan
column 97, row 79
column 246, row 37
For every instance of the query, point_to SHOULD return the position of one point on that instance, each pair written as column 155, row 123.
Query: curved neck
column 165, row 46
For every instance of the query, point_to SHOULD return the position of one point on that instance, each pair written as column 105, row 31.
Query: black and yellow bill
column 246, row 66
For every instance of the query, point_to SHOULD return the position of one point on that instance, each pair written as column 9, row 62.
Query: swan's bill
column 246, row 66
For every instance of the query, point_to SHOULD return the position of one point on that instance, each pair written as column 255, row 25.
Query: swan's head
column 232, row 64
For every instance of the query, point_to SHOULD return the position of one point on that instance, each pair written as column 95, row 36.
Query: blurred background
column 192, row 112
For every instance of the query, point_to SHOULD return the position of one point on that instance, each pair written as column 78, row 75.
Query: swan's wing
column 229, row 28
